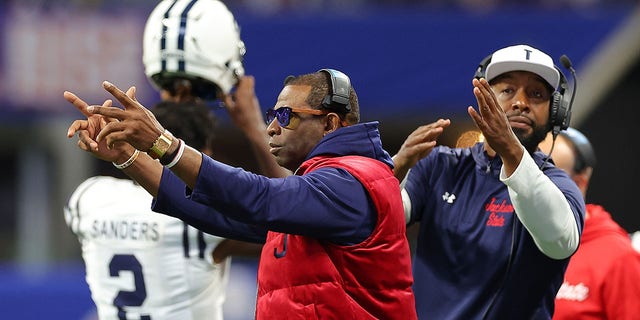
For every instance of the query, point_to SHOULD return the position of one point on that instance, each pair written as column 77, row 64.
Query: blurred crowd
column 277, row 6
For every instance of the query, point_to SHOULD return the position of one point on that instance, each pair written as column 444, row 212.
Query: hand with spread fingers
column 417, row 146
column 88, row 130
column 136, row 125
column 492, row 121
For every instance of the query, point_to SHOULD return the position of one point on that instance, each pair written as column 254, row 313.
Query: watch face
column 160, row 147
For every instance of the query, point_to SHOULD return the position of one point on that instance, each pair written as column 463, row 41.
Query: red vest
column 313, row 279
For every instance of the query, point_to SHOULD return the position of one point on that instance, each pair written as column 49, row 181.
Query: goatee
column 531, row 141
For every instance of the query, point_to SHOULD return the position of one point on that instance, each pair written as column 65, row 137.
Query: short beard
column 530, row 142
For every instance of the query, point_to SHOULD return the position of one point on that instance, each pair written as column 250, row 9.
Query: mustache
column 518, row 116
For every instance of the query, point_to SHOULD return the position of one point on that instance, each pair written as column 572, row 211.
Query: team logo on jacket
column 449, row 197
column 497, row 211
column 573, row 292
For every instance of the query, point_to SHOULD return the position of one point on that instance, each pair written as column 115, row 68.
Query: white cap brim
column 550, row 75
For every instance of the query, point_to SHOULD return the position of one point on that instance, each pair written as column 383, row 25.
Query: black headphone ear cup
column 482, row 67
column 326, row 102
column 338, row 97
column 560, row 109
column 559, row 113
column 555, row 116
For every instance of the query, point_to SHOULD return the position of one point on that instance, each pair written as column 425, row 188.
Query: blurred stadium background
column 411, row 62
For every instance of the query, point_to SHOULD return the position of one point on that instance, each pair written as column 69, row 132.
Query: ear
column 582, row 180
column 332, row 123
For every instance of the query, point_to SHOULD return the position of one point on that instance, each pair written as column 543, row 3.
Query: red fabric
column 318, row 280
column 603, row 277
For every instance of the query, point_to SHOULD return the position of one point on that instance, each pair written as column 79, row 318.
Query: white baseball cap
column 523, row 58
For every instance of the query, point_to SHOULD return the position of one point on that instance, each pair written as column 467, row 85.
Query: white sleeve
column 543, row 209
column 406, row 200
column 406, row 203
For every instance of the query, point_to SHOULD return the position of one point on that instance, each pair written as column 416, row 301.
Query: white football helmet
column 197, row 40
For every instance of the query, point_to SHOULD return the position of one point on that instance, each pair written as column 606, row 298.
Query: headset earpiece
column 482, row 67
column 338, row 98
column 559, row 111
column 559, row 107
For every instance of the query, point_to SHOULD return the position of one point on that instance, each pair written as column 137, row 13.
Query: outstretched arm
column 545, row 207
column 493, row 122
column 149, row 173
column 551, row 208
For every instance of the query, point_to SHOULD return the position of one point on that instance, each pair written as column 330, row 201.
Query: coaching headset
column 559, row 117
column 561, row 102
column 338, row 98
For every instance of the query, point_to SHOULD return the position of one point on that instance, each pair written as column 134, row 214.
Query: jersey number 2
column 135, row 298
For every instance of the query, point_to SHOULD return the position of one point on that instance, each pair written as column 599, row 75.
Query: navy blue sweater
column 474, row 259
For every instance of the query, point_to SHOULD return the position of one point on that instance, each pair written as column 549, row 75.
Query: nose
column 520, row 100
column 273, row 128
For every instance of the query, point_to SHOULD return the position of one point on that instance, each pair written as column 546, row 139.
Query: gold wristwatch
column 161, row 145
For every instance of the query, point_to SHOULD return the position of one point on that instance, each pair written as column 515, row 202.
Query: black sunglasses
column 283, row 115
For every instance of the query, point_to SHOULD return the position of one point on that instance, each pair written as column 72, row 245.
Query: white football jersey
column 141, row 264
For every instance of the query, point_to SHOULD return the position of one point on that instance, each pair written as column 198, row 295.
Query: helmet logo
column 172, row 54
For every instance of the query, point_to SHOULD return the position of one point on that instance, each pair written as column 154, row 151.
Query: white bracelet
column 178, row 155
column 129, row 162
